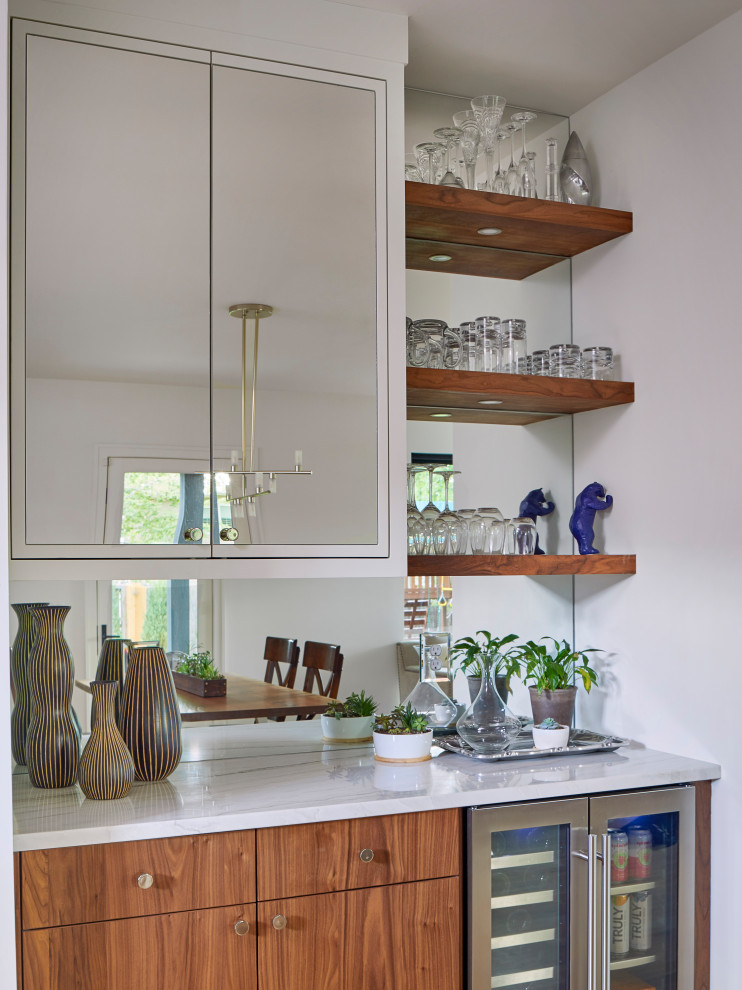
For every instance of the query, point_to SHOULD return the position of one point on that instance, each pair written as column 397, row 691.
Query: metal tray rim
column 600, row 744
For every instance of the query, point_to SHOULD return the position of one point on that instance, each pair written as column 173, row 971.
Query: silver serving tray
column 522, row 748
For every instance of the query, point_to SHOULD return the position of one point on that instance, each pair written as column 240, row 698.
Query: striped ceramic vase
column 52, row 745
column 106, row 766
column 150, row 719
column 19, row 654
column 112, row 664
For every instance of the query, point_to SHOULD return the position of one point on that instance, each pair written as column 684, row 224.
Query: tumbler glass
column 453, row 350
column 417, row 346
column 597, row 362
column 513, row 349
column 468, row 334
column 540, row 363
column 565, row 361
column 488, row 343
column 487, row 531
column 523, row 536
column 433, row 330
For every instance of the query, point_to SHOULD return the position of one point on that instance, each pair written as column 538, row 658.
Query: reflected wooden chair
column 280, row 651
column 320, row 659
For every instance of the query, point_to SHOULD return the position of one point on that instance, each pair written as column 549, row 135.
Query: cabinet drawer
column 326, row 856
column 191, row 949
column 97, row 883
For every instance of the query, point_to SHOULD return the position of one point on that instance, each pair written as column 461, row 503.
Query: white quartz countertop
column 253, row 776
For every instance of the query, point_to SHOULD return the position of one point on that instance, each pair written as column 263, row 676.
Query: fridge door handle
column 605, row 913
column 592, row 856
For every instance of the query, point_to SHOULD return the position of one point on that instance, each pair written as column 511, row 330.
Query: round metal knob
column 145, row 880
column 193, row 535
column 229, row 533
column 242, row 927
column 367, row 855
column 279, row 922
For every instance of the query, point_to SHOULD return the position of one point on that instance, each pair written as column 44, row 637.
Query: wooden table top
column 245, row 698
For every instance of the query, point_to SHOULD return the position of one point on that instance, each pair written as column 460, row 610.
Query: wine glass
column 512, row 172
column 411, row 170
column 451, row 137
column 466, row 120
column 430, row 511
column 488, row 110
column 429, row 157
column 526, row 176
column 416, row 525
column 500, row 184
column 458, row 528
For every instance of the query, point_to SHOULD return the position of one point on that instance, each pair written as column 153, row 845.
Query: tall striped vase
column 150, row 719
column 106, row 766
column 52, row 745
column 19, row 654
column 112, row 664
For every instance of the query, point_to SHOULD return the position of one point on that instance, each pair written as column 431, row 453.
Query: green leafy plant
column 355, row 706
column 549, row 668
column 487, row 651
column 199, row 665
column 402, row 720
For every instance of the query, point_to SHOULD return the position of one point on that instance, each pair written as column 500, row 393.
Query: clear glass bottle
column 488, row 343
column 427, row 697
column 488, row 725
column 513, row 348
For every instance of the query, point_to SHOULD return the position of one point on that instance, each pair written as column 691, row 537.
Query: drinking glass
column 527, row 178
column 468, row 334
column 487, row 531
column 418, row 349
column 500, row 184
column 597, row 363
column 513, row 349
column 434, row 331
column 540, row 363
column 430, row 511
column 429, row 156
column 488, row 110
column 453, row 349
column 488, row 343
column 553, row 191
column 565, row 361
column 522, row 536
column 466, row 516
column 411, row 170
column 513, row 179
column 466, row 120
column 450, row 136
column 416, row 525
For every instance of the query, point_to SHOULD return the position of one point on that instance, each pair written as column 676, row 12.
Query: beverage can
column 620, row 921
column 641, row 921
column 619, row 857
column 640, row 853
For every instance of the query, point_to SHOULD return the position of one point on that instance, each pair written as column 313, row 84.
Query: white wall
column 667, row 296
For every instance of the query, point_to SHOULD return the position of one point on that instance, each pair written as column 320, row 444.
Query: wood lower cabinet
column 190, row 949
column 381, row 938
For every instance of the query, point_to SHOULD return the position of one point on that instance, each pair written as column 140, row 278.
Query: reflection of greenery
column 151, row 503
column 154, row 626
column 199, row 665
column 439, row 489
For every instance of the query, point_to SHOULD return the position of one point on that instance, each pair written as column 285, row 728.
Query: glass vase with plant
column 550, row 674
column 488, row 725
column 471, row 655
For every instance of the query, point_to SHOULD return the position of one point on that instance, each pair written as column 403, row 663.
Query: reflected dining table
column 246, row 697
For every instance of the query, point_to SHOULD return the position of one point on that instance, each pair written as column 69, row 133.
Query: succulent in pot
column 549, row 734
column 351, row 720
column 197, row 674
column 487, row 650
column 402, row 736
column 550, row 673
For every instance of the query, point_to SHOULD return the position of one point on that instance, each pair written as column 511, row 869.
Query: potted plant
column 402, row 736
column 549, row 674
column 351, row 720
column 550, row 735
column 474, row 655
column 196, row 674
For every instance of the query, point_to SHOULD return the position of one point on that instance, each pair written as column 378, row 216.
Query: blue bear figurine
column 591, row 499
column 535, row 504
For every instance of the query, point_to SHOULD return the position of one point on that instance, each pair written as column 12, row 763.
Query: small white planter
column 556, row 738
column 411, row 747
column 350, row 730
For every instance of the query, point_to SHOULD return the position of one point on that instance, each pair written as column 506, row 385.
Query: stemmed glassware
column 429, row 156
column 416, row 526
column 511, row 175
column 500, row 184
column 488, row 110
column 451, row 137
column 449, row 531
column 411, row 169
column 526, row 175
column 466, row 120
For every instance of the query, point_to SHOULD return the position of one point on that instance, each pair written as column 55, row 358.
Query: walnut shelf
column 535, row 234
column 506, row 564
column 524, row 398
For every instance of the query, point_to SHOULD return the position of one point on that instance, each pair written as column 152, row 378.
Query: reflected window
column 177, row 615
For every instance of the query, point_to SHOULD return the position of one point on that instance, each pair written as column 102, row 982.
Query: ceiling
column 555, row 55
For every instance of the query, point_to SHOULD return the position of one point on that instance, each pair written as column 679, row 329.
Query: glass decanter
column 427, row 697
column 488, row 725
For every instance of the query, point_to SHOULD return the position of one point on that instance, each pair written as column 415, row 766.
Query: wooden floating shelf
column 529, row 565
column 535, row 234
column 524, row 398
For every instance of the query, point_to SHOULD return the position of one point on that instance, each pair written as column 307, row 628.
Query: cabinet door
column 643, row 929
column 383, row 938
column 191, row 949
column 528, row 875
column 110, row 314
column 299, row 226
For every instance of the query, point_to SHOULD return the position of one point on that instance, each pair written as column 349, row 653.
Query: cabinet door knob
column 279, row 922
column 193, row 535
column 145, row 880
column 367, row 855
column 242, row 927
column 229, row 534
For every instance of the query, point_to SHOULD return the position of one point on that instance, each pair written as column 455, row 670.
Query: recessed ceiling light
column 489, row 231
column 490, row 402
column 439, row 257
column 441, row 415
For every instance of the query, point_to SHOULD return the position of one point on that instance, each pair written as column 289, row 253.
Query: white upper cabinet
column 154, row 188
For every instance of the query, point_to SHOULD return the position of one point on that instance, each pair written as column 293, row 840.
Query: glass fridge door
column 644, row 928
column 527, row 866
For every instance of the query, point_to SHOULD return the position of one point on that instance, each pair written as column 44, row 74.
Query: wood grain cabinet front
column 192, row 950
column 361, row 852
column 81, row 884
